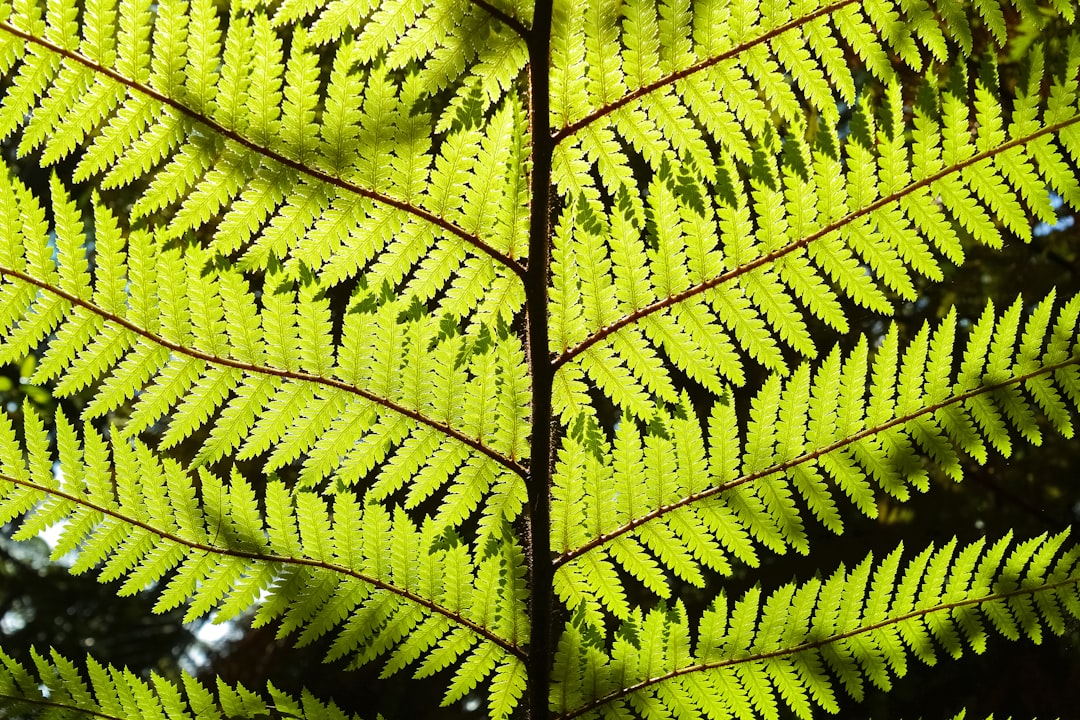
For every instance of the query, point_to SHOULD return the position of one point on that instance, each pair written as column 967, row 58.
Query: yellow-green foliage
column 467, row 286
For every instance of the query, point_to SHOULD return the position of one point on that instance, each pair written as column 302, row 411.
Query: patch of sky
column 1043, row 229
column 211, row 636
column 52, row 534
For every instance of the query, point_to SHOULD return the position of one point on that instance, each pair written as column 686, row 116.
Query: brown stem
column 541, row 569
column 505, row 18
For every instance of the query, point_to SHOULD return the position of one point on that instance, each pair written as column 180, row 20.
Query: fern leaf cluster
column 794, row 647
column 236, row 136
column 265, row 371
column 466, row 336
column 742, row 255
column 56, row 688
column 662, row 498
column 376, row 581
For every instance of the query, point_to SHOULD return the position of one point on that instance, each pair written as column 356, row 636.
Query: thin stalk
column 541, row 565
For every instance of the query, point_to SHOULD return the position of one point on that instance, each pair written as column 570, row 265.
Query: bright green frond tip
column 54, row 687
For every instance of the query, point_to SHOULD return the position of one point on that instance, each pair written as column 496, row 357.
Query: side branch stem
column 387, row 403
column 321, row 175
column 53, row 705
column 269, row 558
column 813, row 644
column 504, row 17
column 664, row 303
column 804, row 458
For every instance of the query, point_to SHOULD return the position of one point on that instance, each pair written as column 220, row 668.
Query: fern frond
column 170, row 355
column 177, row 119
column 470, row 282
column 754, row 276
column 794, row 646
column 867, row 420
column 57, row 687
column 371, row 580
